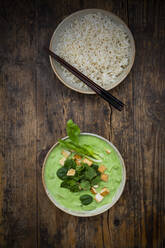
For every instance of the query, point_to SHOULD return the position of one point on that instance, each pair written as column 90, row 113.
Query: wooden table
column 35, row 107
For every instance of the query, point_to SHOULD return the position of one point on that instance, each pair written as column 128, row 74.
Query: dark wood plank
column 149, row 123
column 18, row 122
column 19, row 171
column 141, row 129
column 2, row 159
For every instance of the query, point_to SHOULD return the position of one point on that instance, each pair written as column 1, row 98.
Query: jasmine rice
column 97, row 47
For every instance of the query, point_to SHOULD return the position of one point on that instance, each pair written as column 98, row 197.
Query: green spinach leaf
column 95, row 167
column 70, row 163
column 62, row 173
column 85, row 185
column 86, row 199
column 70, row 184
column 95, row 180
column 90, row 173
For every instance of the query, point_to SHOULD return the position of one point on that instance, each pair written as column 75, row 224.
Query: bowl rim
column 97, row 211
column 130, row 37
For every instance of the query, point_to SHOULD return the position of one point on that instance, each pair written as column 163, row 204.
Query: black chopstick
column 95, row 87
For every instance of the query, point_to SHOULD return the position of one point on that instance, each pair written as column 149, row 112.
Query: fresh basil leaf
column 85, row 185
column 62, row 173
column 73, row 131
column 70, row 163
column 86, row 199
column 90, row 173
column 95, row 180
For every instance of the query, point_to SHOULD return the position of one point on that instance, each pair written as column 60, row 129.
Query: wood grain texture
column 34, row 109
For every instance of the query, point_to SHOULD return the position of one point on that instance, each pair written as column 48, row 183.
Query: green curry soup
column 71, row 200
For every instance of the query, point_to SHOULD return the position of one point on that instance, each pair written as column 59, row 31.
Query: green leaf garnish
column 90, row 173
column 62, row 173
column 72, row 143
column 70, row 184
column 85, row 185
column 86, row 199
column 73, row 131
column 70, row 163
column 85, row 176
column 95, row 167
column 95, row 180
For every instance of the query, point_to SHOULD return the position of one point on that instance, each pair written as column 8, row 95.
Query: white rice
column 97, row 47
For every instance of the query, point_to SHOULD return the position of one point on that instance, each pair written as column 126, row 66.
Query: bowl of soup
column 80, row 185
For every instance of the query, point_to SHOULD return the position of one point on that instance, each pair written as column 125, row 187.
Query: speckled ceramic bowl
column 55, row 39
column 98, row 210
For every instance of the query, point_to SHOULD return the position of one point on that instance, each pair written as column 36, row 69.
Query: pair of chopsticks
column 95, row 87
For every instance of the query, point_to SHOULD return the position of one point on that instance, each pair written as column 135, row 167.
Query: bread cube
column 104, row 191
column 108, row 151
column 65, row 153
column 62, row 161
column 87, row 161
column 98, row 197
column 104, row 177
column 93, row 190
column 102, row 168
column 71, row 172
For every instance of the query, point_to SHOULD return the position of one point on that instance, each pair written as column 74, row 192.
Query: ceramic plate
column 55, row 39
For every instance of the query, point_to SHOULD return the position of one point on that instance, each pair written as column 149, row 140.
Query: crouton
column 102, row 168
column 71, row 172
column 77, row 159
column 93, row 190
column 108, row 151
column 62, row 161
column 78, row 162
column 104, row 177
column 76, row 156
column 87, row 161
column 65, row 153
column 98, row 197
column 104, row 191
